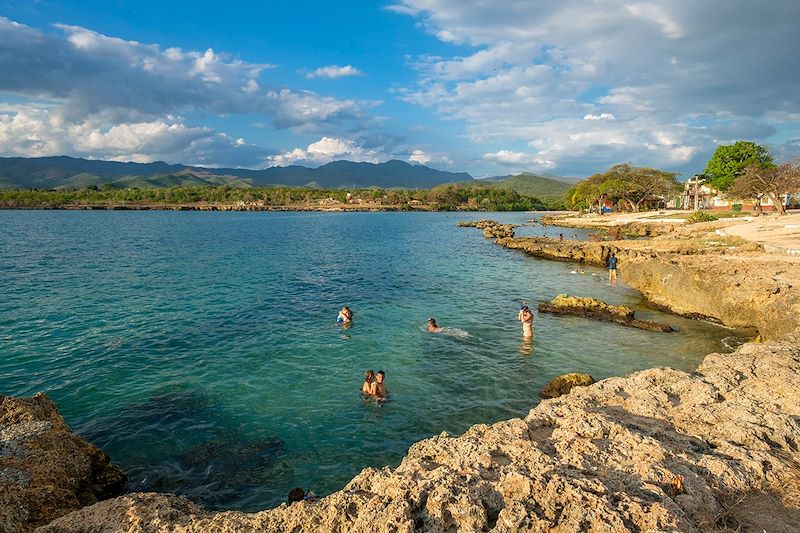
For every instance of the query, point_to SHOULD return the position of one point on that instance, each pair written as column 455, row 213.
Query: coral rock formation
column 599, row 310
column 45, row 470
column 491, row 229
column 561, row 385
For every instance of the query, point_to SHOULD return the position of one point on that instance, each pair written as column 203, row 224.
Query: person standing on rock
column 525, row 316
column 612, row 269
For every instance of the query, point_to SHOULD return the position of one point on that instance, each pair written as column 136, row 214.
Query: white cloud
column 112, row 97
column 334, row 71
column 325, row 150
column 601, row 116
column 521, row 160
column 630, row 70
column 419, row 156
column 39, row 130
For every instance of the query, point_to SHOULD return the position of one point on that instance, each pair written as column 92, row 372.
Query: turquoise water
column 200, row 349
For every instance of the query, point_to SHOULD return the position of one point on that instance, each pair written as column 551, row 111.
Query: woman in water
column 433, row 327
column 369, row 377
column 345, row 316
column 525, row 316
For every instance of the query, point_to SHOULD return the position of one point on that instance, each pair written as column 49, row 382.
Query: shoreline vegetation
column 450, row 197
column 660, row 449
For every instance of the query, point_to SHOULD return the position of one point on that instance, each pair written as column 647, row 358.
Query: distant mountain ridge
column 69, row 172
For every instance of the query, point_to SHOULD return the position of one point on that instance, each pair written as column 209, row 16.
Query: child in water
column 345, row 316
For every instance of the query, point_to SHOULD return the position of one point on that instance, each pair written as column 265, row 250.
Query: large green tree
column 730, row 160
column 626, row 184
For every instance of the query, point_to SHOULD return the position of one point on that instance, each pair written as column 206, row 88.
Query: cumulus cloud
column 334, row 71
column 543, row 74
column 325, row 150
column 39, row 130
column 520, row 160
column 118, row 97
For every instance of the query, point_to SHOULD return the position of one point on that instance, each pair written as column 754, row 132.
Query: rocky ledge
column 599, row 310
column 491, row 229
column 697, row 276
column 45, row 470
column 659, row 450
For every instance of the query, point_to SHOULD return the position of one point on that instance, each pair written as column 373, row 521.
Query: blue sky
column 558, row 87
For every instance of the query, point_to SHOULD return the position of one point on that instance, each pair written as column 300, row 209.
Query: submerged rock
column 599, row 310
column 46, row 471
column 561, row 385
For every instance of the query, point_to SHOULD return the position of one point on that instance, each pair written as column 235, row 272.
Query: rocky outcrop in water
column 599, row 310
column 710, row 278
column 46, row 471
column 561, row 385
column 658, row 450
column 491, row 229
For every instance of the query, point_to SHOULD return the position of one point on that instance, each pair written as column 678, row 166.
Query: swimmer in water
column 525, row 316
column 345, row 316
column 378, row 389
column 369, row 378
column 433, row 327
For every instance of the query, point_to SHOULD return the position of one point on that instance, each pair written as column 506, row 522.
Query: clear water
column 200, row 349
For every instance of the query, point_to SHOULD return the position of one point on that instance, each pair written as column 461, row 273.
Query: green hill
column 526, row 184
column 534, row 185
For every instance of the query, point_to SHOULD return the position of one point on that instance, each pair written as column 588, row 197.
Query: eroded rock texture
column 659, row 450
column 45, row 470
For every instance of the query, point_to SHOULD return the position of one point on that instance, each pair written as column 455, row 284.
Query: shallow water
column 200, row 350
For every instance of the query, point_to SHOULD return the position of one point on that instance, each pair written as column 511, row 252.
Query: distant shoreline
column 227, row 207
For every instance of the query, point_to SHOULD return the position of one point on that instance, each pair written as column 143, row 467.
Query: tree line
column 441, row 198
column 743, row 170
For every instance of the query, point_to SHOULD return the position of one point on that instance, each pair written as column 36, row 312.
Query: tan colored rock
column 698, row 278
column 602, row 458
column 46, row 471
column 561, row 385
column 598, row 310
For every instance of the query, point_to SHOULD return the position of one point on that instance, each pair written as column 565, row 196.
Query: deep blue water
column 200, row 349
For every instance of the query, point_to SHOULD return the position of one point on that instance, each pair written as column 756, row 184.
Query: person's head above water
column 369, row 376
column 380, row 376
column 296, row 495
column 432, row 322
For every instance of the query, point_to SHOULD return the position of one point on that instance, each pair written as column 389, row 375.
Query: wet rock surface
column 491, row 229
column 561, row 385
column 46, row 471
column 599, row 310
column 659, row 450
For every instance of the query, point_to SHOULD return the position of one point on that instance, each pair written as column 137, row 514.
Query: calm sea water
column 200, row 349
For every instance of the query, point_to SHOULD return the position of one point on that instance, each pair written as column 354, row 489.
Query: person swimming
column 345, row 316
column 525, row 316
column 433, row 327
column 378, row 389
column 369, row 378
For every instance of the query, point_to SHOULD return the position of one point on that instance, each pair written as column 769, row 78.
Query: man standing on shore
column 612, row 269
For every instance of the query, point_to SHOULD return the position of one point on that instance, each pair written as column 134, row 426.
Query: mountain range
column 69, row 172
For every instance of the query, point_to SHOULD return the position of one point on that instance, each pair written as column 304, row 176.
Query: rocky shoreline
column 662, row 450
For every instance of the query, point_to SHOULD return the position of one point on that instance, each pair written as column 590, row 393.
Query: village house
column 697, row 195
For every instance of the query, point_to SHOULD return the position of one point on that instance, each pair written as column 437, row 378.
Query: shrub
column 700, row 216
